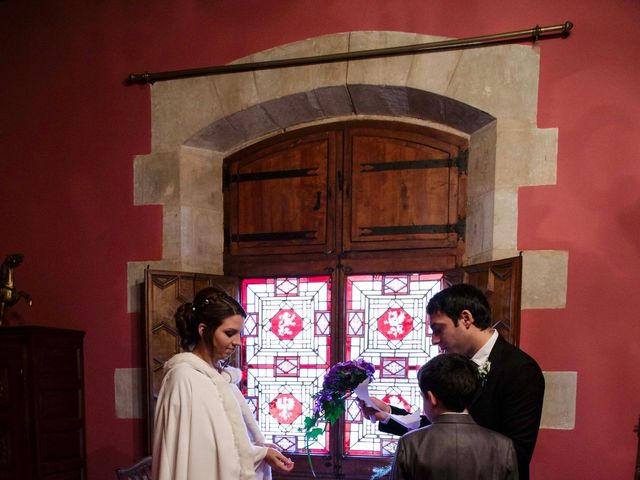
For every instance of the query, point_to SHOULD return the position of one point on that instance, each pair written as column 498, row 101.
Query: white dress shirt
column 482, row 355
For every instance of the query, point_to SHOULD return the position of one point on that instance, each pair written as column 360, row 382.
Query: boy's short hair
column 452, row 378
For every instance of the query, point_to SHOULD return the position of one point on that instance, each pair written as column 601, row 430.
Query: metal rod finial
column 140, row 78
column 566, row 28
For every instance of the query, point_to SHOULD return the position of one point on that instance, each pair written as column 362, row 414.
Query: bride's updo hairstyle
column 210, row 307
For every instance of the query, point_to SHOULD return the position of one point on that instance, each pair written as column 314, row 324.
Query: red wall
column 70, row 129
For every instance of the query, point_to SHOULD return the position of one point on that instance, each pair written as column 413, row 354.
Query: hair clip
column 205, row 302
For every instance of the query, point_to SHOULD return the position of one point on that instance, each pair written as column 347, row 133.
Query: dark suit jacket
column 455, row 448
column 510, row 402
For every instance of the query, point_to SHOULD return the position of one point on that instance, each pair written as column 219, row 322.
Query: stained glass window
column 286, row 350
column 387, row 326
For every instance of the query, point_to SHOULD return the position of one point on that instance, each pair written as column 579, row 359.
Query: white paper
column 411, row 421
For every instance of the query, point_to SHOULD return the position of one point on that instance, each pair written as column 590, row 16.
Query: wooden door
column 501, row 282
column 404, row 189
column 281, row 198
column 165, row 291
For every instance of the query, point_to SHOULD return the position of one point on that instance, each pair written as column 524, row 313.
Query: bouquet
column 338, row 384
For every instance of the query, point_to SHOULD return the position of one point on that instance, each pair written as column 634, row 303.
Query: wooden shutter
column 279, row 199
column 338, row 191
column 404, row 189
column 165, row 291
column 501, row 282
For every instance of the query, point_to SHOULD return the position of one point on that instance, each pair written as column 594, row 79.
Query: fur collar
column 233, row 406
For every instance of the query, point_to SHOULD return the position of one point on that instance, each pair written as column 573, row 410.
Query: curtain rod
column 534, row 34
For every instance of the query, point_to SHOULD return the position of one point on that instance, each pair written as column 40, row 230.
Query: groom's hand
column 373, row 414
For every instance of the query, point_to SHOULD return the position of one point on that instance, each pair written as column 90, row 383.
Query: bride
column 203, row 428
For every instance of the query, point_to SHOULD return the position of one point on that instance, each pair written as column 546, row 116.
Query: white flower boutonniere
column 483, row 371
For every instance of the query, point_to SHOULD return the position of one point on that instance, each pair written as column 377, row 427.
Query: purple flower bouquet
column 339, row 382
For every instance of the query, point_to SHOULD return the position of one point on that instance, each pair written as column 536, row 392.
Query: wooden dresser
column 42, row 431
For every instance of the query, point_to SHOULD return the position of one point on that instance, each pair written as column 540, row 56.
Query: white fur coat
column 203, row 428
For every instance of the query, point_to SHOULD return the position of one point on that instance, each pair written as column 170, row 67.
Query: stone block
column 252, row 123
column 501, row 80
column 397, row 101
column 156, row 178
column 293, row 109
column 392, row 70
column 482, row 161
column 201, row 234
column 525, row 155
column 559, row 406
column 505, row 220
column 334, row 101
column 377, row 100
column 544, row 279
column 172, row 220
column 479, row 227
column 218, row 136
column 456, row 114
column 432, row 71
column 280, row 82
column 236, row 91
column 129, row 392
column 200, row 178
column 181, row 107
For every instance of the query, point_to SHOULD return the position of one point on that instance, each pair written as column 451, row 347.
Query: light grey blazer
column 454, row 447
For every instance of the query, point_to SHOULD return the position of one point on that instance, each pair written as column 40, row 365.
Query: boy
column 453, row 446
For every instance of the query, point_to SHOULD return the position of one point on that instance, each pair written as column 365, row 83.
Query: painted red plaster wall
column 69, row 131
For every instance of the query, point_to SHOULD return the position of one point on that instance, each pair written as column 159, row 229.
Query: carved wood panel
column 501, row 282
column 165, row 291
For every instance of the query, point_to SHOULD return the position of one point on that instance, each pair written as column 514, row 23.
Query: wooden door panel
column 501, row 282
column 406, row 191
column 165, row 291
column 280, row 198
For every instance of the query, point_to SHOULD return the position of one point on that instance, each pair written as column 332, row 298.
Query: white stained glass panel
column 286, row 352
column 387, row 326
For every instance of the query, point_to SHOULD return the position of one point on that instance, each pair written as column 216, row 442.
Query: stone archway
column 488, row 95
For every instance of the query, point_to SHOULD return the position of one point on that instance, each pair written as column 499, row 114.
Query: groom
column 510, row 400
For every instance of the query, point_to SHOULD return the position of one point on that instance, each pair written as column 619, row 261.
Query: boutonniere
column 483, row 371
